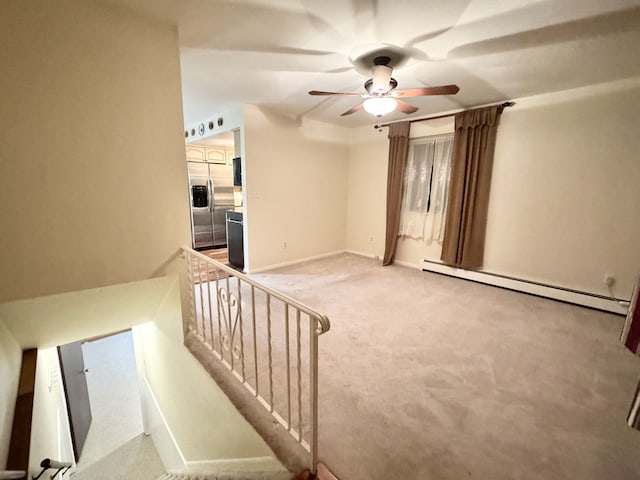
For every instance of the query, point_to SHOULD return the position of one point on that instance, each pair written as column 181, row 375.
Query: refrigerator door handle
column 210, row 193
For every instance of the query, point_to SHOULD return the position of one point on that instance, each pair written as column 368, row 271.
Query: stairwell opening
column 116, row 432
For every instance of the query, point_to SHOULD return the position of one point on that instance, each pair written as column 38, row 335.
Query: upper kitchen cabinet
column 216, row 155
column 201, row 153
column 196, row 153
column 219, row 148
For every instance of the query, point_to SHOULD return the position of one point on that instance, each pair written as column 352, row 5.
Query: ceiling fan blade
column 405, row 107
column 317, row 92
column 424, row 91
column 353, row 110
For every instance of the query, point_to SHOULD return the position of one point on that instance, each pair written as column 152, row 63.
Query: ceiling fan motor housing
column 368, row 86
column 381, row 79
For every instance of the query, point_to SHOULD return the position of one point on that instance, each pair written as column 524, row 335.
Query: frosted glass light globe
column 380, row 106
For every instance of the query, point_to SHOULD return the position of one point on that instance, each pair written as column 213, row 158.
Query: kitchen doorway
column 215, row 188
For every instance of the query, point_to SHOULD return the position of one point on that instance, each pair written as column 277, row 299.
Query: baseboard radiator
column 586, row 299
column 266, row 340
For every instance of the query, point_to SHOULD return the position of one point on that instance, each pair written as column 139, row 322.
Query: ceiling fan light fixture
column 379, row 106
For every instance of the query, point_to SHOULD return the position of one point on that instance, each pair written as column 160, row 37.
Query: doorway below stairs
column 115, row 438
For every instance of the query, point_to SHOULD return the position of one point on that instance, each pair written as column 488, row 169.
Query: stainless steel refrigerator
column 211, row 195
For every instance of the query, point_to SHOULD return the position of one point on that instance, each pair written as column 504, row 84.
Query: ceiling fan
column 382, row 97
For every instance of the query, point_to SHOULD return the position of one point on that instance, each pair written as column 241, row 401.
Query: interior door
column 75, row 388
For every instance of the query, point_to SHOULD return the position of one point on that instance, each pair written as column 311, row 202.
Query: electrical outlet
column 371, row 239
column 609, row 279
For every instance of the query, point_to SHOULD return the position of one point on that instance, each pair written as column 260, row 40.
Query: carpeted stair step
column 230, row 476
column 286, row 449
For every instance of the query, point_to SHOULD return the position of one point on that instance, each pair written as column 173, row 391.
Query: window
column 425, row 189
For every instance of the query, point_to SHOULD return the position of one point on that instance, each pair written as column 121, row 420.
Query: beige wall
column 295, row 188
column 10, row 364
column 203, row 421
column 565, row 194
column 366, row 191
column 565, row 200
column 92, row 171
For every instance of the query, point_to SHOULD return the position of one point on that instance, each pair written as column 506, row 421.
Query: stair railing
column 268, row 340
column 48, row 464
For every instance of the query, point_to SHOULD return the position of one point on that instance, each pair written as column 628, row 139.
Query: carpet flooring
column 136, row 459
column 424, row 376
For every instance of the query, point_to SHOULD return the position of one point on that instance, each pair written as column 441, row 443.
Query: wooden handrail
column 20, row 442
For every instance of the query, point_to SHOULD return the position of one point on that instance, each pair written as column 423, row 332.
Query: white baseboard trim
column 556, row 293
column 417, row 266
column 163, row 439
column 363, row 254
column 585, row 299
column 294, row 262
column 171, row 455
column 408, row 264
column 237, row 465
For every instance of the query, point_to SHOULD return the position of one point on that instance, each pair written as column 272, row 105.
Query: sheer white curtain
column 426, row 184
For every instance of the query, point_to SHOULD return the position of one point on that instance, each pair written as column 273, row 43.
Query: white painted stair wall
column 195, row 428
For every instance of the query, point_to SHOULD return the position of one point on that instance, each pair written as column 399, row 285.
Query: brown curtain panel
column 471, row 164
column 398, row 149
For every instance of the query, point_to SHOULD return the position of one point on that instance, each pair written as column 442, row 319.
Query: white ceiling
column 271, row 52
